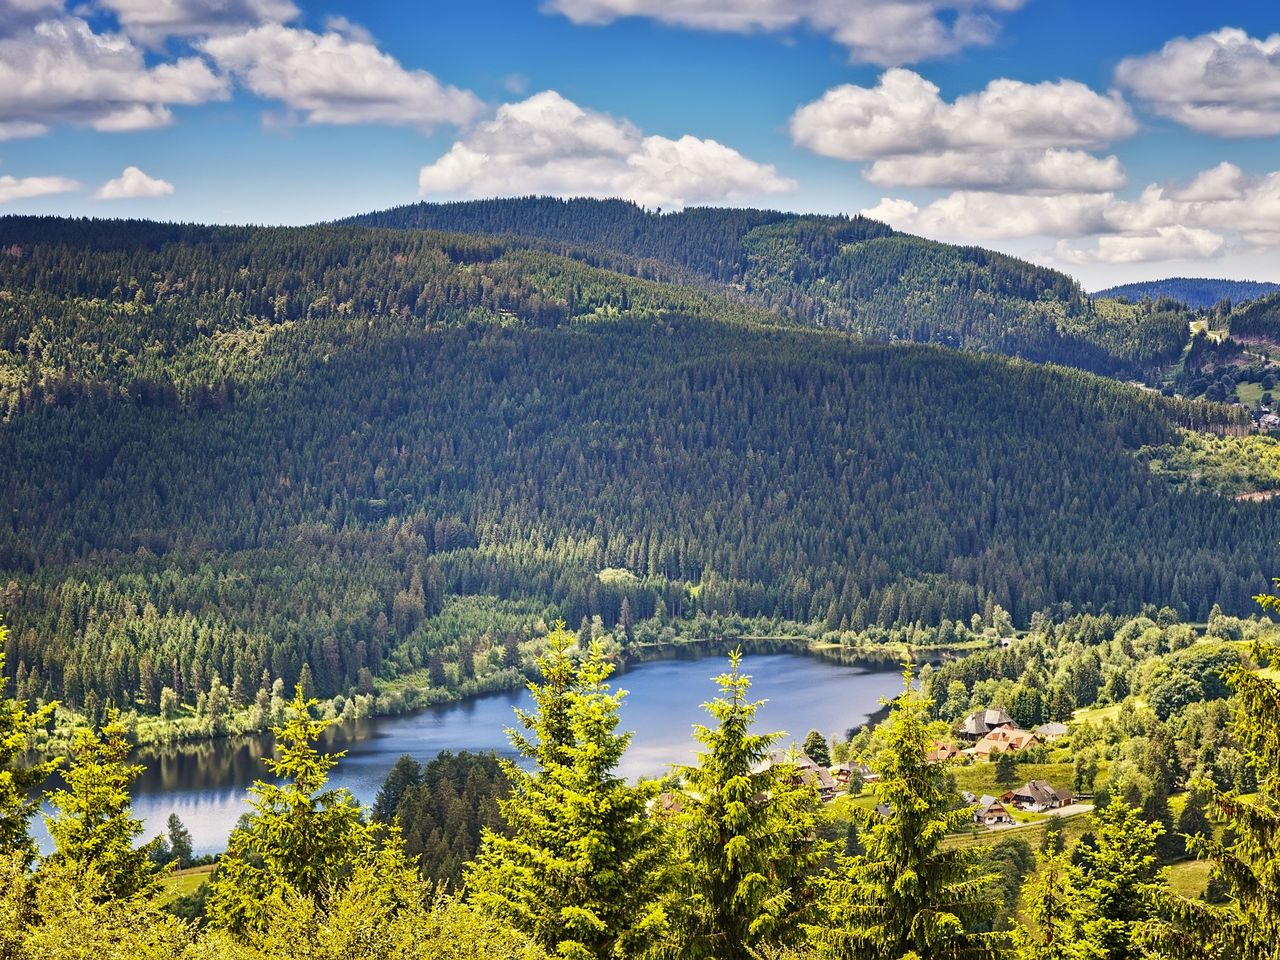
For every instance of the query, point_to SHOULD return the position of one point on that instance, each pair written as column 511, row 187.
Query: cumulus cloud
column 23, row 188
column 132, row 184
column 62, row 71
column 1225, row 83
column 547, row 144
column 1010, row 135
column 1007, row 170
column 155, row 20
column 1219, row 209
column 15, row 14
column 337, row 77
column 885, row 32
column 1162, row 243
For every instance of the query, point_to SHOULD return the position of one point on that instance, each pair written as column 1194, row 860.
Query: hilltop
column 1198, row 293
column 846, row 273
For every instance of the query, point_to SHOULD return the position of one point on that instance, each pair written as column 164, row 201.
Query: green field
column 980, row 778
column 1189, row 878
column 180, row 883
column 1249, row 393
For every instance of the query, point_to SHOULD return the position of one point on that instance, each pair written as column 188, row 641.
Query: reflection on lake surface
column 205, row 783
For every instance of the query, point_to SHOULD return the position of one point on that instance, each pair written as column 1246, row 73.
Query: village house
column 941, row 752
column 1038, row 796
column 819, row 777
column 990, row 812
column 981, row 722
column 1003, row 740
column 843, row 772
column 1053, row 730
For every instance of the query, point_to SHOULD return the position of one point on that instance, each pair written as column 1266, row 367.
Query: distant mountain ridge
column 847, row 273
column 1195, row 292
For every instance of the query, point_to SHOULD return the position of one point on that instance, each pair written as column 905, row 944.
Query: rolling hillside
column 243, row 454
column 851, row 274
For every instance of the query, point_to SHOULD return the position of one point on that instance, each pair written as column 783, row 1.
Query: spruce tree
column 18, row 779
column 1116, row 862
column 1055, row 908
column 578, row 873
column 1246, row 856
column 817, row 749
column 907, row 897
column 93, row 827
column 300, row 839
column 747, row 854
column 179, row 841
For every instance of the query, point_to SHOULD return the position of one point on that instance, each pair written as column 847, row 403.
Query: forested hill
column 1197, row 292
column 848, row 273
column 240, row 453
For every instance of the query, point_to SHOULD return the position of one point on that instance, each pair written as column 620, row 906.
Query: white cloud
column 1009, row 136
column 23, row 188
column 984, row 215
column 1163, row 243
column 154, row 20
column 1003, row 170
column 549, row 145
column 131, row 184
column 61, row 71
column 885, row 32
column 15, row 14
column 337, row 78
column 1219, row 210
column 1225, row 83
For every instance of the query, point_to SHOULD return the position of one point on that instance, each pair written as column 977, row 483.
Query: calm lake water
column 205, row 783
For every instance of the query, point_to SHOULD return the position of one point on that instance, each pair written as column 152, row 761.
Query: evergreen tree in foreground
column 300, row 839
column 93, row 827
column 906, row 897
column 17, row 779
column 1053, row 904
column 745, row 833
column 1246, row 858
column 1116, row 863
column 578, row 873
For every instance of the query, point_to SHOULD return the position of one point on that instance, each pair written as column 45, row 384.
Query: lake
column 204, row 783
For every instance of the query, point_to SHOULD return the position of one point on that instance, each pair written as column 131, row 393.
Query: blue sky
column 1116, row 141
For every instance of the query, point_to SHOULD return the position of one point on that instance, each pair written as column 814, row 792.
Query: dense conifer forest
column 1194, row 292
column 241, row 458
column 852, row 274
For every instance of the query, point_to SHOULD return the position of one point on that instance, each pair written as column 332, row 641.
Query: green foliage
column 71, row 911
column 907, row 896
column 1246, row 860
column 447, row 438
column 745, row 854
column 817, row 749
column 92, row 825
column 850, row 273
column 443, row 809
column 1195, row 292
column 1006, row 765
column 179, row 838
column 578, row 872
column 299, row 841
column 1228, row 465
column 18, row 776
column 1055, row 910
column 1115, row 862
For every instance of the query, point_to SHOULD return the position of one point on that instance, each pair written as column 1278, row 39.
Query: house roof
column 1051, row 729
column 1036, row 791
column 983, row 721
column 1005, row 738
